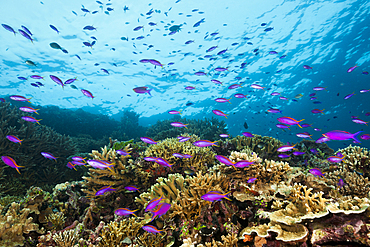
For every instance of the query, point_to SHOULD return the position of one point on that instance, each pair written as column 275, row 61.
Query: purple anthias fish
column 256, row 86
column 204, row 143
column 200, row 73
column 78, row 163
column 144, row 61
column 335, row 159
column 11, row 162
column 304, row 135
column 352, row 69
column 48, row 156
column 219, row 113
column 349, row 95
column 189, row 88
column 131, row 188
column 70, row 165
column 341, row 183
column 151, row 159
column 339, row 135
column 222, row 52
column 163, row 162
column 187, row 156
column 152, row 229
column 155, row 62
column 69, row 81
column 9, row 28
column 216, row 81
column 283, row 156
column 224, row 160
column 243, row 163
column 307, row 67
column 359, row 121
column 19, row 98
column 78, row 158
column 26, row 35
column 240, row 95
column 179, row 125
column 322, row 139
column 247, row 134
column 233, row 86
column 37, row 77
column 306, row 125
column 272, row 110
column 275, row 94
column 31, row 119
column 153, row 203
column 103, row 190
column 14, row 139
column 125, row 212
column 285, row 148
column 282, row 126
column 220, row 69
column 142, row 90
column 297, row 153
column 316, row 172
column 314, row 151
column 222, row 100
column 105, row 71
column 161, row 210
column 148, row 140
column 289, row 121
column 100, row 164
column 251, row 180
column 319, row 88
column 57, row 80
column 224, row 135
column 87, row 93
column 211, row 49
column 178, row 155
column 215, row 196
column 122, row 152
column 365, row 137
column 174, row 112
column 183, row 138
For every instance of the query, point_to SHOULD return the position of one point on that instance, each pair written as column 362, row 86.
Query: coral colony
column 71, row 178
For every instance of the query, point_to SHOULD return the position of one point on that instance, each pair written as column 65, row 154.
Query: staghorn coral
column 357, row 159
column 122, row 174
column 14, row 223
column 165, row 149
column 55, row 221
column 66, row 238
column 207, row 129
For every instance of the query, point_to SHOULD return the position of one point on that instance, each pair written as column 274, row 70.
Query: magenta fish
column 219, row 113
column 174, row 112
column 87, row 93
column 125, row 212
column 282, row 126
column 365, row 137
column 298, row 153
column 183, row 138
column 31, row 119
column 335, row 159
column 48, row 156
column 359, row 121
column 307, row 67
column 283, row 156
column 224, row 135
column 148, row 140
column 14, row 139
column 289, row 121
column 215, row 196
column 151, row 159
column 204, row 143
column 275, row 94
column 233, row 86
column 142, row 90
column 122, row 152
column 304, row 135
column 319, row 88
column 349, row 95
column 272, row 110
column 179, row 125
column 11, row 162
column 216, row 81
column 155, row 62
column 339, row 135
column 220, row 69
column 224, row 160
column 200, row 73
column 240, row 95
column 178, row 155
column 69, row 81
column 243, row 163
column 285, row 148
column 189, row 88
column 103, row 190
column 131, row 188
column 316, row 172
column 317, row 111
column 70, row 165
column 152, row 229
column 247, row 134
column 163, row 162
column 78, row 158
column 57, row 80
column 352, row 69
column 251, row 180
column 161, row 210
column 153, row 203
column 100, row 164
column 256, row 86
column 322, row 139
column 222, row 100
column 19, row 98
column 28, row 109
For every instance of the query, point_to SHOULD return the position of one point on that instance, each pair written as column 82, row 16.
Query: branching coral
column 357, row 159
column 66, row 238
column 14, row 224
column 55, row 221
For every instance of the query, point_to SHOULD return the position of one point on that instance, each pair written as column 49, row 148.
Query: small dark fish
column 94, row 37
column 85, row 10
column 110, row 9
column 29, row 62
column 9, row 28
column 263, row 24
column 24, row 34
column 55, row 46
column 198, row 23
column 245, row 125
column 64, row 50
column 78, row 57
column 189, row 104
column 35, row 85
column 94, row 12
column 221, row 52
column 268, row 29
column 138, row 28
column 54, row 28
column 89, row 28
column 26, row 30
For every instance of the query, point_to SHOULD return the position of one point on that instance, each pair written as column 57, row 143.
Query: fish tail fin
column 185, row 126
column 38, row 122
column 355, row 137
column 18, row 170
column 298, row 126
column 149, row 92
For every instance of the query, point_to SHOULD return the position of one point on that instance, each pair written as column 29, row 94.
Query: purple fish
column 219, row 113
column 189, row 88
column 19, row 98
column 215, row 196
column 307, row 67
column 289, row 121
column 54, row 28
column 233, row 86
column 211, row 49
column 200, row 73
column 57, row 80
column 148, row 140
column 243, row 163
column 78, row 158
column 282, row 126
column 138, row 28
column 272, row 110
column 153, row 203
column 161, row 210
column 341, row 183
column 365, row 137
column 297, row 153
column 251, row 180
column 352, row 69
column 339, row 135
column 220, row 69
column 125, row 212
column 31, row 119
column 285, row 148
column 256, row 86
column 275, row 94
column 359, row 121
column 316, row 172
column 224, row 135
column 89, row 28
column 216, row 82
column 174, row 112
column 187, row 156
column 26, row 35
column 11, row 162
column 22, row 78
column 222, row 100
column 142, row 90
column 103, row 190
column 26, row 30
column 283, row 156
column 198, row 23
column 69, row 81
column 178, row 155
column 183, row 138
column 71, row 166
column 304, row 135
column 131, row 188
column 179, row 125
column 273, row 52
column 87, row 93
column 314, row 151
column 319, row 88
column 163, row 162
column 349, row 95
column 152, row 229
column 247, row 134
column 122, row 152
column 155, row 62
column 9, row 28
column 322, row 139
column 100, row 164
column 224, row 160
column 364, row 90
column 240, row 95
column 48, row 156
column 221, row 52
column 204, row 143
column 306, row 125
column 78, row 163
column 14, row 139
column 335, row 159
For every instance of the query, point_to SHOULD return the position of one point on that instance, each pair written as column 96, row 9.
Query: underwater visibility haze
column 184, row 123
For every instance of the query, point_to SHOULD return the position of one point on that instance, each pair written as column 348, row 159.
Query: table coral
column 14, row 223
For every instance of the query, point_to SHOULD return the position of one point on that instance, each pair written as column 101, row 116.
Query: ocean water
column 266, row 42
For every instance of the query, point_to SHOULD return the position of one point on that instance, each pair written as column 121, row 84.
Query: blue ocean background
column 329, row 36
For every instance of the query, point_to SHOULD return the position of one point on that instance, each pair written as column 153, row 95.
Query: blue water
column 329, row 36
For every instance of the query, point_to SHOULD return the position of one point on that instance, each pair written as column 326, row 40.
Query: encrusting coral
column 14, row 223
